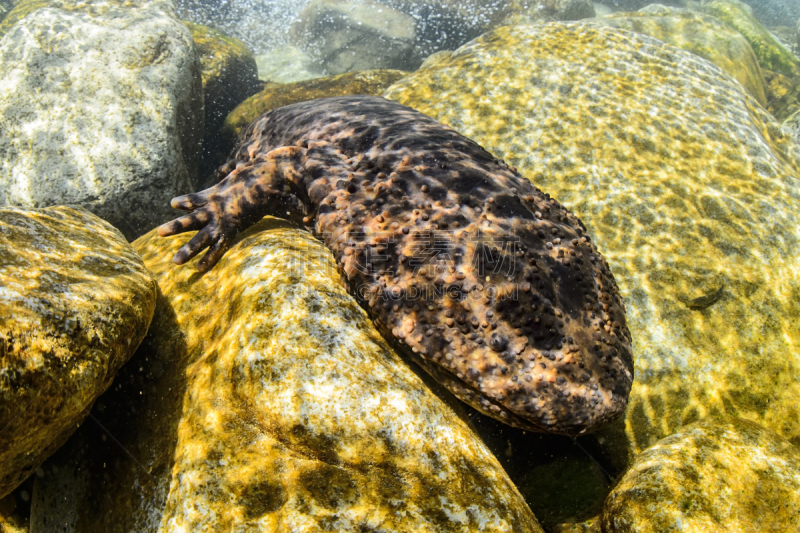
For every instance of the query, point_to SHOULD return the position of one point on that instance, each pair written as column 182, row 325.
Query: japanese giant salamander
column 492, row 286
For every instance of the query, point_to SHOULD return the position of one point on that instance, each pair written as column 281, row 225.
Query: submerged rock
column 229, row 77
column 343, row 36
column 228, row 71
column 447, row 24
column 715, row 475
column 5, row 7
column 271, row 403
column 771, row 53
column 701, row 34
column 589, row 526
column 286, row 64
column 75, row 302
column 685, row 184
column 784, row 95
column 100, row 106
column 12, row 519
column 526, row 11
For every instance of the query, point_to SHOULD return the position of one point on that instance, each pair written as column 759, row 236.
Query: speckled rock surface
column 687, row 186
column 75, row 301
column 701, row 34
column 588, row 526
column 286, row 411
column 784, row 95
column 343, row 36
column 771, row 53
column 100, row 106
column 715, row 475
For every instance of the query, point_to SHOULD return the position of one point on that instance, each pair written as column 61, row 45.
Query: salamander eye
column 498, row 342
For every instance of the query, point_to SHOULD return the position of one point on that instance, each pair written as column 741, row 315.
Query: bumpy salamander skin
column 492, row 286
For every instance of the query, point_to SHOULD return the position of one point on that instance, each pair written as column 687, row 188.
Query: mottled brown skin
column 493, row 287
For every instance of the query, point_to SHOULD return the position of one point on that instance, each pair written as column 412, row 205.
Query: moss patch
column 771, row 54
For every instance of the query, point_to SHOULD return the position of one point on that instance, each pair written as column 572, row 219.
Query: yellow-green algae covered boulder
column 785, row 99
column 689, row 188
column 717, row 475
column 701, row 34
column 783, row 93
column 263, row 399
column 75, row 302
column 771, row 53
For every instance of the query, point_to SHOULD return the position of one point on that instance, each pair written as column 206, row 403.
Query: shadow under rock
column 113, row 474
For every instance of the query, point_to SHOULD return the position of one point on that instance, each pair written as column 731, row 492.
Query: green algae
column 770, row 52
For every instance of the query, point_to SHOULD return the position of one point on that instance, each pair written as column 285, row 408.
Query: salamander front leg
column 266, row 185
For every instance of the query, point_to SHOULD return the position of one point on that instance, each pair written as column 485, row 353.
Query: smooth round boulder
column 101, row 106
column 716, row 475
column 75, row 302
column 343, row 36
column 229, row 73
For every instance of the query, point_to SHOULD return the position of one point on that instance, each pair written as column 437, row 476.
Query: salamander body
column 492, row 286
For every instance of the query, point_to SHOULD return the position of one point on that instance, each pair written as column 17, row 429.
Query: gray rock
column 575, row 9
column 602, row 10
column 448, row 24
column 101, row 107
column 286, row 64
column 549, row 10
column 343, row 36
